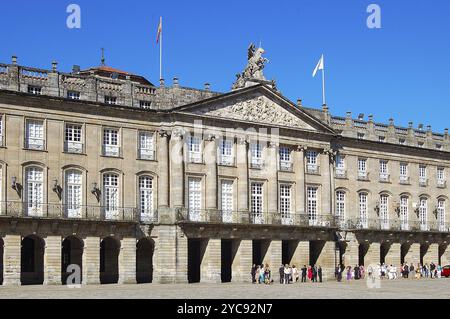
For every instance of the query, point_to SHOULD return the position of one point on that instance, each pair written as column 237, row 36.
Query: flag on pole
column 158, row 35
column 320, row 66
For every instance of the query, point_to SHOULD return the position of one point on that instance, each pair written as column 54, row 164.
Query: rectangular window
column 285, row 204
column 404, row 178
column 340, row 205
column 382, row 139
column 363, row 209
column 2, row 134
column 36, row 90
column 34, row 191
column 111, row 142
column 422, row 175
column 312, row 205
column 441, row 176
column 441, row 215
column 360, row 136
column 362, row 168
column 146, row 146
column 384, row 172
column 73, row 95
column 194, row 149
column 112, row 100
column 384, row 212
column 111, row 196
column 423, row 214
column 226, row 152
column 73, row 138
column 285, row 159
column 404, row 213
column 256, row 155
column 312, row 165
column 402, row 141
column 35, row 135
column 145, row 104
column 146, row 198
column 340, row 167
column 73, row 197
column 257, row 203
column 227, row 201
column 195, row 199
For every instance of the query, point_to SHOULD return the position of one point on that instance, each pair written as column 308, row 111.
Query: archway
column 144, row 261
column 109, row 261
column 71, row 254
column 32, row 261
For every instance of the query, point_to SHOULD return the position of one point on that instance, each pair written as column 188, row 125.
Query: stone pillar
column 431, row 254
column 170, row 257
column 242, row 261
column 413, row 254
column 11, row 260
column 271, row 169
column 444, row 254
column 326, row 187
column 52, row 260
column 300, row 256
column 300, row 181
column 393, row 255
column 176, row 170
column 163, row 162
column 210, row 267
column 351, row 253
column 273, row 258
column 211, row 173
column 91, row 261
column 327, row 260
column 242, row 174
column 372, row 256
column 127, row 261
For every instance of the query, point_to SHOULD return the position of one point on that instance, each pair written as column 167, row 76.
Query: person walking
column 304, row 271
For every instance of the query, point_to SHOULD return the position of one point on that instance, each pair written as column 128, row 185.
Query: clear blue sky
column 401, row 70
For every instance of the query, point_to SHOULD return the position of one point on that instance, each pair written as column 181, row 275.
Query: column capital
column 178, row 133
column 242, row 140
column 302, row 148
column 211, row 137
column 274, row 144
column 164, row 133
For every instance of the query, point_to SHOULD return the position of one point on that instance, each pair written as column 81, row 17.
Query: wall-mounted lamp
column 57, row 188
column 16, row 186
column 95, row 191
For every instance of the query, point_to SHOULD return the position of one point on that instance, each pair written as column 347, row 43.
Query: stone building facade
column 137, row 183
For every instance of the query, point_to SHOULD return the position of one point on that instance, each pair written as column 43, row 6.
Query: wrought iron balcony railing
column 394, row 225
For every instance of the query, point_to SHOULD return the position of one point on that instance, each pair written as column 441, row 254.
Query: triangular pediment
column 260, row 106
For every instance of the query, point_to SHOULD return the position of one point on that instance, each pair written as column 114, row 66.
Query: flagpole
column 323, row 82
column 160, row 52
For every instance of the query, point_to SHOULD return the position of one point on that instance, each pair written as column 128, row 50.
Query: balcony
column 441, row 183
column 423, row 181
column 147, row 154
column 111, row 150
column 313, row 169
column 341, row 173
column 35, row 144
column 394, row 225
column 195, row 158
column 227, row 160
column 33, row 210
column 363, row 176
column 257, row 163
column 385, row 178
column 404, row 180
column 286, row 166
column 74, row 147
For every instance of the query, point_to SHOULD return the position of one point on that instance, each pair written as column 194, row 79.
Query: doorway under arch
column 144, row 261
column 109, row 261
column 71, row 254
column 32, row 260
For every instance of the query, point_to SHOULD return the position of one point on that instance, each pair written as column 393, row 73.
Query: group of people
column 390, row 272
column 262, row 274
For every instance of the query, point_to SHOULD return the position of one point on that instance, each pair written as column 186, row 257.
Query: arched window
column 74, row 193
column 423, row 213
column 441, row 214
column 111, row 195
column 146, row 198
column 363, row 210
column 34, row 191
column 384, row 211
column 340, row 205
column 404, row 207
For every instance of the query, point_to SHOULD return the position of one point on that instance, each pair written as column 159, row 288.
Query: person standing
column 253, row 273
column 286, row 272
column 340, row 269
column 281, row 272
column 304, row 270
column 294, row 274
column 349, row 273
column 319, row 272
column 310, row 273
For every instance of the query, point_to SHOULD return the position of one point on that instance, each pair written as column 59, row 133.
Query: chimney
column 410, row 124
column 429, row 128
column 161, row 83
column 207, row 86
column 299, row 103
column 371, row 118
column 54, row 66
column 325, row 108
column 391, row 121
column 14, row 60
column 446, row 132
column 175, row 82
column 76, row 69
column 349, row 115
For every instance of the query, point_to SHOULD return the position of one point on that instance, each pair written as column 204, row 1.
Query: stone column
column 242, row 261
column 211, row 173
column 273, row 258
column 242, row 174
column 91, row 261
column 372, row 255
column 176, row 170
column 444, row 254
column 431, row 254
column 210, row 267
column 327, row 260
column 170, row 257
column 351, row 253
column 300, row 256
column 52, row 260
column 393, row 255
column 127, row 261
column 271, row 169
column 163, row 163
column 300, row 181
column 326, row 187
column 413, row 254
column 11, row 260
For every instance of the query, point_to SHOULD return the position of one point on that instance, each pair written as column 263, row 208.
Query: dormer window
column 112, row 100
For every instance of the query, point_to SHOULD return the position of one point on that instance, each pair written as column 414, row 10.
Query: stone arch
column 32, row 260
column 144, row 260
column 71, row 254
column 109, row 260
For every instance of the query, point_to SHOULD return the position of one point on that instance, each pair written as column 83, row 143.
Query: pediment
column 259, row 107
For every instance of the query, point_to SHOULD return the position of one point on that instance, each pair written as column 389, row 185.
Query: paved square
column 422, row 289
